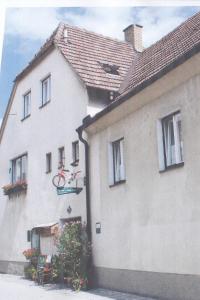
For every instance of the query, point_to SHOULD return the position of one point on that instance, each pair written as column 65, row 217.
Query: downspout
column 87, row 181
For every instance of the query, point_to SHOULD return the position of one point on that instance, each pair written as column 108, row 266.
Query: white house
column 76, row 72
column 144, row 173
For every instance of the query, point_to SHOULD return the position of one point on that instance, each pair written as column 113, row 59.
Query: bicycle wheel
column 58, row 181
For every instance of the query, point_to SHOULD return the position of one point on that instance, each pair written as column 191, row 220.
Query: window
column 48, row 162
column 26, row 105
column 171, row 149
column 116, row 162
column 75, row 153
column 19, row 169
column 46, row 90
column 61, row 157
column 35, row 239
column 109, row 68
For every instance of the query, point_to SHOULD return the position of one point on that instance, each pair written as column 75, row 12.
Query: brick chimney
column 133, row 35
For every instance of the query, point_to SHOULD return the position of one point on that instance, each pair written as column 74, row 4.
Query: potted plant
column 18, row 186
column 32, row 255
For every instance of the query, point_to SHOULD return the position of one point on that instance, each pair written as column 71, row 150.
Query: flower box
column 31, row 254
column 16, row 187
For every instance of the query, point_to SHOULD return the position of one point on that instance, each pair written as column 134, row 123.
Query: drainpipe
column 87, row 181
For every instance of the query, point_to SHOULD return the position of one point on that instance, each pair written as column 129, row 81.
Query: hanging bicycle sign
column 65, row 176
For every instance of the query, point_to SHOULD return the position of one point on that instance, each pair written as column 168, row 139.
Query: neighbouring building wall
column 47, row 129
column 98, row 99
column 150, row 225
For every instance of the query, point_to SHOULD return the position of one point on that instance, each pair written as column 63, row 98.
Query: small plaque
column 98, row 227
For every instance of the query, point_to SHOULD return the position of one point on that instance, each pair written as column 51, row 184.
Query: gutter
column 87, row 181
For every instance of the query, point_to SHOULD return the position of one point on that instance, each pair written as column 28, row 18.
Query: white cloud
column 107, row 21
column 38, row 23
column 31, row 23
column 157, row 22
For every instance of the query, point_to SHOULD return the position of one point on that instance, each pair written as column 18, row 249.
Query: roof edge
column 6, row 114
column 35, row 61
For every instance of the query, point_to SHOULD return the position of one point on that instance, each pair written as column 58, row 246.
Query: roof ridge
column 171, row 50
column 171, row 32
column 97, row 34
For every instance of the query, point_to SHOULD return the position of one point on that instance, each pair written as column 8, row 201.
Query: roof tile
column 83, row 50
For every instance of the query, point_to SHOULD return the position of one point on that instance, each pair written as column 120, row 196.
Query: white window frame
column 19, row 169
column 170, row 155
column 26, row 105
column 46, row 90
column 116, row 165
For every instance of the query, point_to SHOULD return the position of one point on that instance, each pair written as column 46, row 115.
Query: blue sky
column 27, row 28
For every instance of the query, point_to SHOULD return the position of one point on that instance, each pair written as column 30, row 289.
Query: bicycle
column 59, row 180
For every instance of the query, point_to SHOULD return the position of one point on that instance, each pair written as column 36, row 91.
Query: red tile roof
column 153, row 60
column 85, row 51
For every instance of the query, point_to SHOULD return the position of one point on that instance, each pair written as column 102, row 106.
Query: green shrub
column 56, row 268
column 30, row 272
column 74, row 253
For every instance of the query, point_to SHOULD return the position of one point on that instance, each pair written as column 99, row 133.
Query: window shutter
column 110, row 164
column 176, row 118
column 10, row 171
column 161, row 159
column 28, row 235
column 23, row 106
column 49, row 88
column 122, row 167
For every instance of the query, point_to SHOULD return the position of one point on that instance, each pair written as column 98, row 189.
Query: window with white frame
column 61, row 157
column 116, row 162
column 170, row 135
column 26, row 105
column 19, row 169
column 46, row 90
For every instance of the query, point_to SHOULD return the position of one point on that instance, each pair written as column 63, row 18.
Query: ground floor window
column 35, row 239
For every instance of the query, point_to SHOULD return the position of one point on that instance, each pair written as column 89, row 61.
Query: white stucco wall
column 46, row 130
column 151, row 222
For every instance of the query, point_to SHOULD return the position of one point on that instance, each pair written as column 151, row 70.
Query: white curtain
column 117, row 160
column 23, row 167
column 169, row 142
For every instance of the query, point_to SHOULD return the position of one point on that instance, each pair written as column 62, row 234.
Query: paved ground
column 16, row 288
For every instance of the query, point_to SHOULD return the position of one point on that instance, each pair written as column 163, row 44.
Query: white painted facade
column 151, row 222
column 47, row 129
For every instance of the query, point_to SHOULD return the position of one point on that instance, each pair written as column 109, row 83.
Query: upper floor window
column 171, row 149
column 75, row 153
column 61, row 157
column 48, row 162
column 26, row 105
column 19, row 169
column 46, row 90
column 116, row 162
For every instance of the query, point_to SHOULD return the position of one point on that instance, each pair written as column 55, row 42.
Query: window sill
column 172, row 167
column 75, row 163
column 48, row 172
column 44, row 104
column 117, row 183
column 26, row 117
